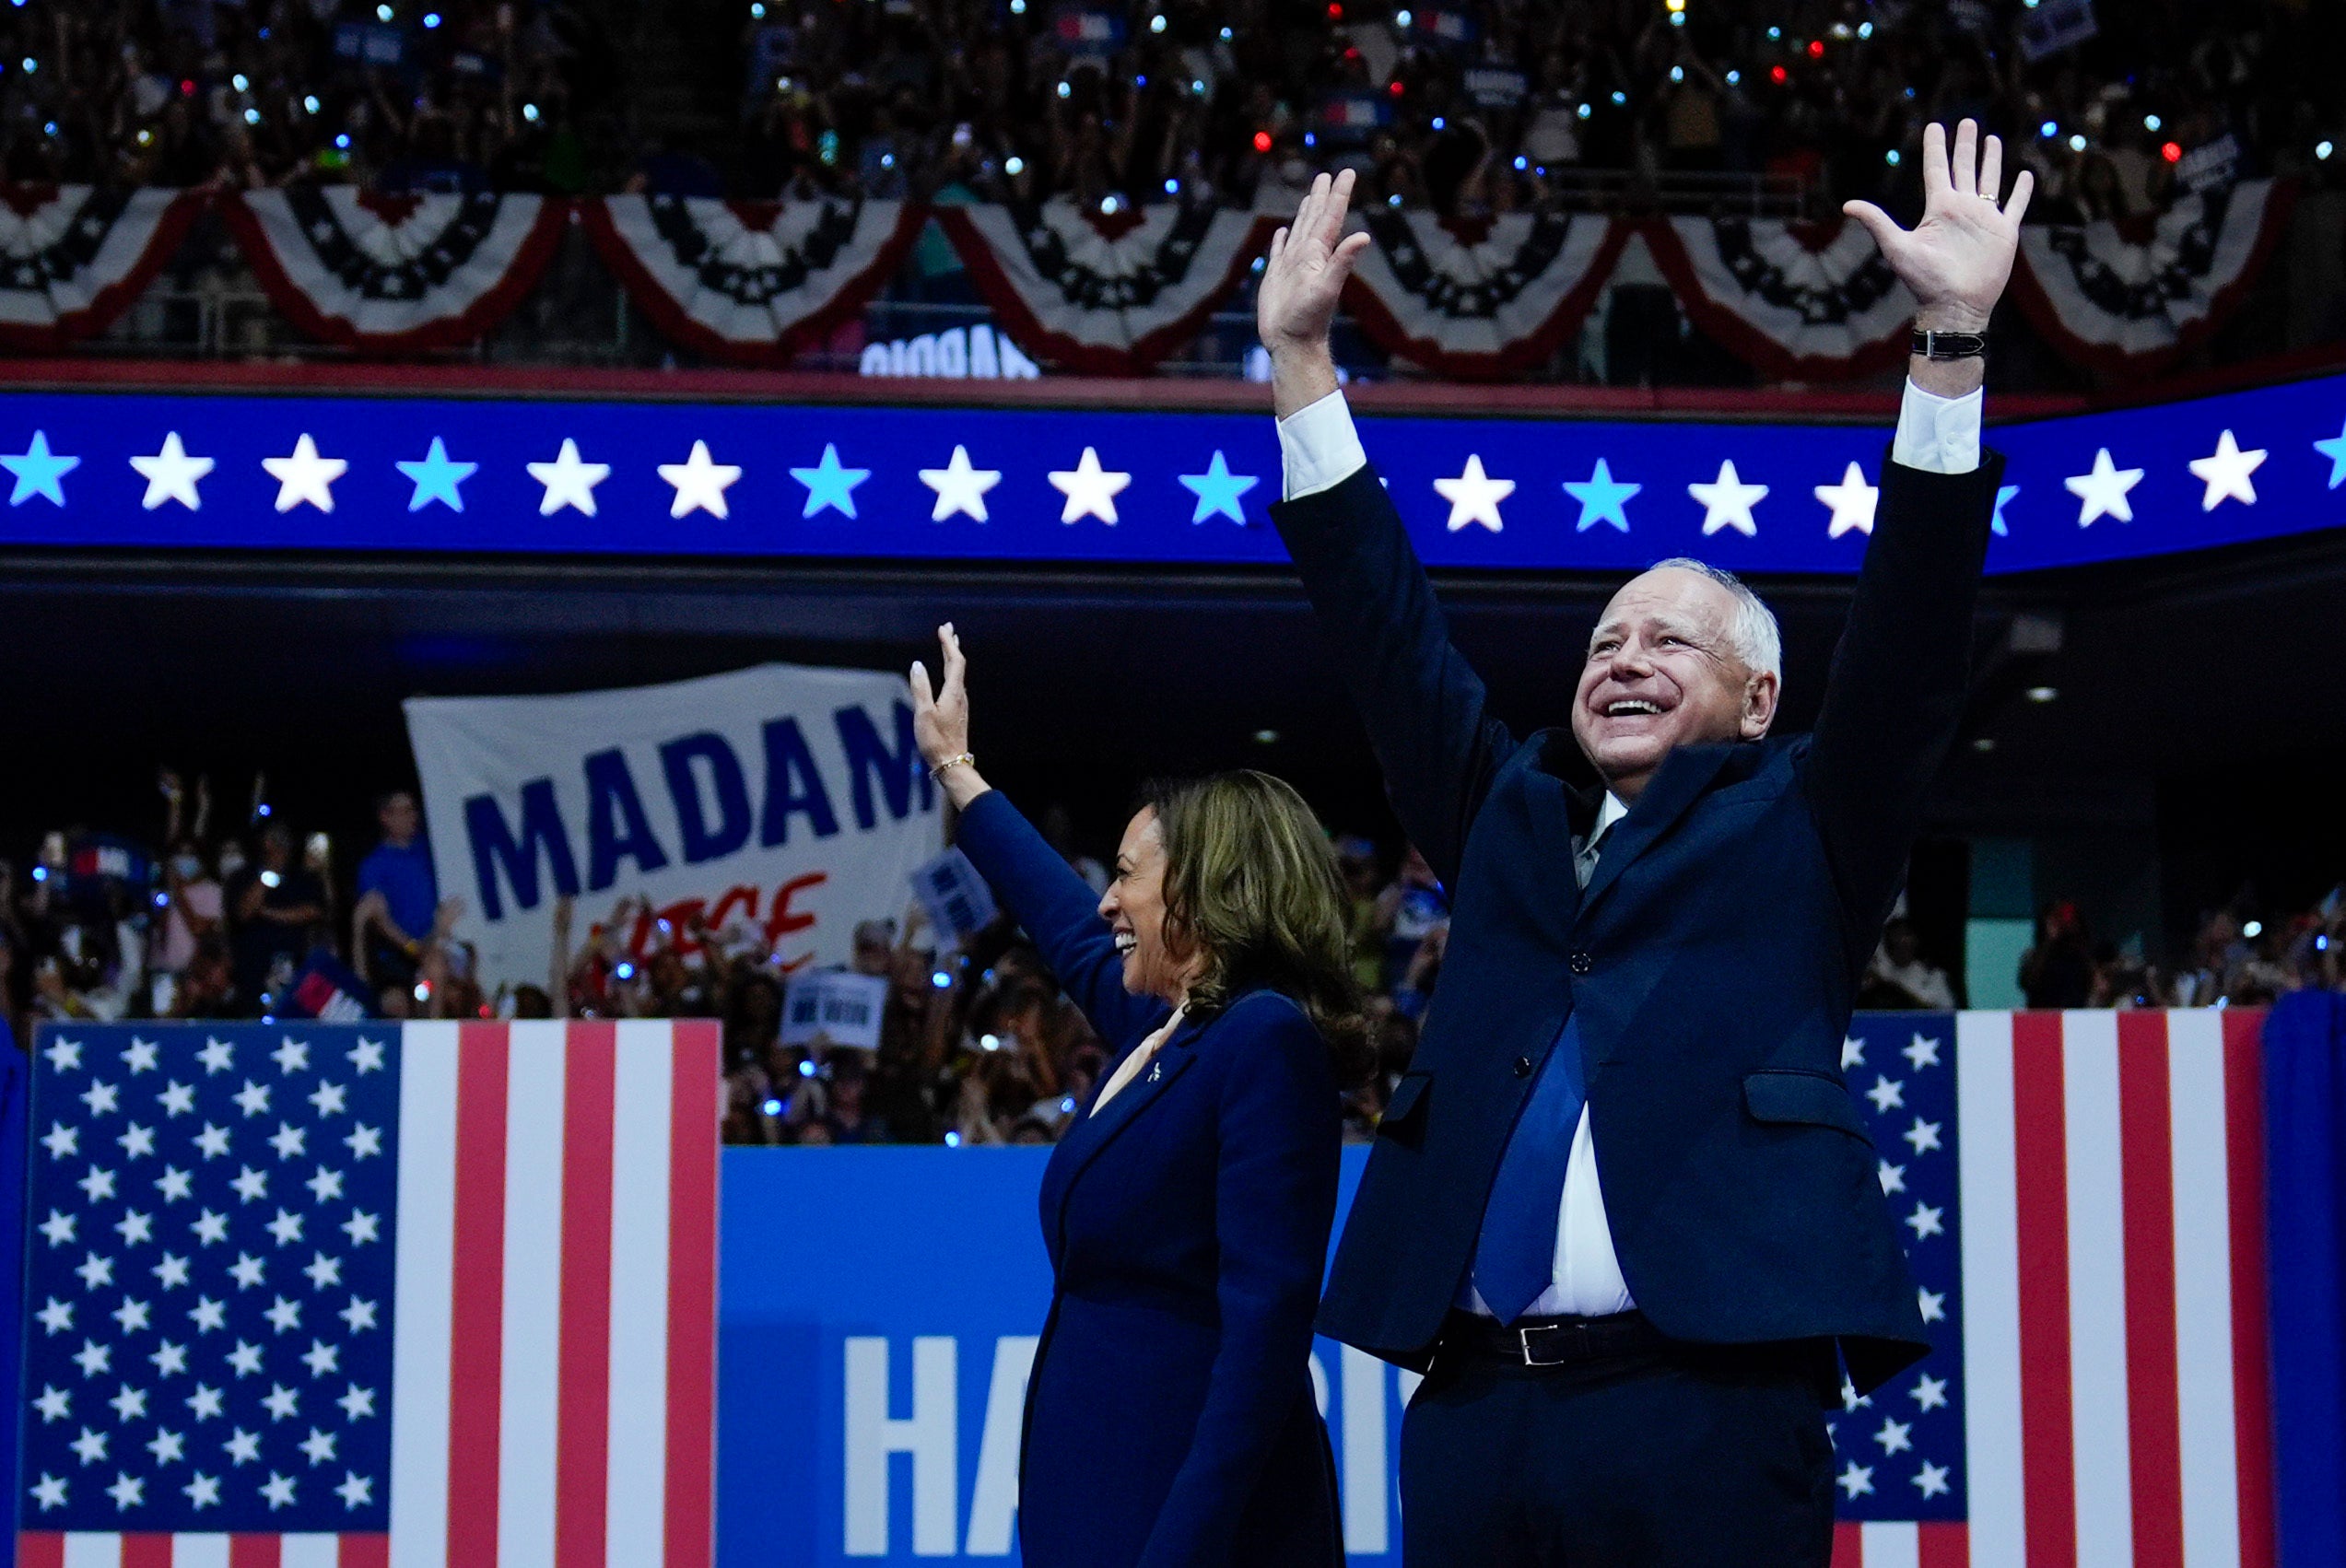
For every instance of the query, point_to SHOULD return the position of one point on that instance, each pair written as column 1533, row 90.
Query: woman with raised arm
column 1170, row 1420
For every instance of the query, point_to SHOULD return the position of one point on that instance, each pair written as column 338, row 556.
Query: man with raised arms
column 1621, row 1210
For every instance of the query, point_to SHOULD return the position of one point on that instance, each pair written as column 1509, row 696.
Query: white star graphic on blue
column 829, row 485
column 37, row 470
column 2004, row 494
column 1602, row 497
column 436, row 478
column 2333, row 449
column 1219, row 489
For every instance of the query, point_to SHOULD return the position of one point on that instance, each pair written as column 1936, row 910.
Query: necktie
column 1584, row 862
column 1515, row 1254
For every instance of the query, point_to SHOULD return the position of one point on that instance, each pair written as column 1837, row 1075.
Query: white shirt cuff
column 1319, row 448
column 1937, row 434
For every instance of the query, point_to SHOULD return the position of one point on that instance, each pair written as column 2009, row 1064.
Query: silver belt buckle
column 1523, row 1341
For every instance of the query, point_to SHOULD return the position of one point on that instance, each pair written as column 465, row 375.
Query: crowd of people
column 977, row 1045
column 1489, row 105
column 2235, row 958
column 402, row 95
column 1465, row 107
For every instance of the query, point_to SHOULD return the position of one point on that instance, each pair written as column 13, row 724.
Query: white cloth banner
column 788, row 796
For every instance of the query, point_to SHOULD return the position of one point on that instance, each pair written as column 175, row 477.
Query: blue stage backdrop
column 612, row 477
column 879, row 1308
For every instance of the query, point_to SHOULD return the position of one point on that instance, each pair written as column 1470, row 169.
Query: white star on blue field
column 1218, row 490
column 831, row 484
column 1601, row 498
column 436, row 478
column 37, row 470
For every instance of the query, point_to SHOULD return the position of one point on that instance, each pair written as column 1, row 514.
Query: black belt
column 1551, row 1341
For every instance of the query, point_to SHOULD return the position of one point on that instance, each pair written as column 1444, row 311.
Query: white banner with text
column 780, row 804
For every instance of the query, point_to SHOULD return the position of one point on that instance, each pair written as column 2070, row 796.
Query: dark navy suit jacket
column 1712, row 960
column 1170, row 1420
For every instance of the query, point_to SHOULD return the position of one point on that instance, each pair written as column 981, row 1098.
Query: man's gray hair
column 1751, row 630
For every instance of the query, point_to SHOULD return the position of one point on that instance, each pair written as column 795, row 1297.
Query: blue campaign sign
column 878, row 1313
column 647, row 478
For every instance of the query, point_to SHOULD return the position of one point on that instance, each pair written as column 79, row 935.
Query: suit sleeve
column 1060, row 911
column 1274, row 1203
column 1426, row 709
column 1900, row 679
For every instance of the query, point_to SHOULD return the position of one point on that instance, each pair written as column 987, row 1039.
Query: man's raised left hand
column 1957, row 260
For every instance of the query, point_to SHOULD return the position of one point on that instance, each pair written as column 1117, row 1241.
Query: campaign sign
column 836, row 1007
column 959, row 903
column 1350, row 117
column 1494, row 87
column 787, row 796
column 878, row 1312
column 1085, row 31
column 2057, row 25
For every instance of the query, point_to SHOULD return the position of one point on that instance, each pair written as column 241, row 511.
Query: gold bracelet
column 965, row 759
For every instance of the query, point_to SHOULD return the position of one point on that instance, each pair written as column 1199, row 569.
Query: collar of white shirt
column 1609, row 811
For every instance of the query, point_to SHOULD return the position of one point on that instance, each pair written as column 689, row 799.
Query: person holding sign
column 1171, row 1421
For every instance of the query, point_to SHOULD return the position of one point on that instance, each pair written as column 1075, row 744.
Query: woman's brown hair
column 1251, row 884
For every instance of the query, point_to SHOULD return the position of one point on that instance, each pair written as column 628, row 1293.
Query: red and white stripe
column 48, row 1549
column 2114, row 1341
column 1906, row 1545
column 553, row 1339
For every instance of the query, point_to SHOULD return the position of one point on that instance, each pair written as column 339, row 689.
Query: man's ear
column 1760, row 692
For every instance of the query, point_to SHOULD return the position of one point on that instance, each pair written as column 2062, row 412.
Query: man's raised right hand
column 1301, row 283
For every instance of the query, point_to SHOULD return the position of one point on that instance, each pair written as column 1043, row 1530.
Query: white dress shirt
column 1319, row 449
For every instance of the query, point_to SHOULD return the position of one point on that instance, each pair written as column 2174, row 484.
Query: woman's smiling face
column 1133, row 908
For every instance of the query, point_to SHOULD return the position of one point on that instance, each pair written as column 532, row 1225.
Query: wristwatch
column 1950, row 345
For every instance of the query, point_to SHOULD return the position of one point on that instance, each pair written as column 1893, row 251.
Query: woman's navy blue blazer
column 1170, row 1420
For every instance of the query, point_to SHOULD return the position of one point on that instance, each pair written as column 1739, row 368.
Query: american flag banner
column 2082, row 1196
column 390, row 1296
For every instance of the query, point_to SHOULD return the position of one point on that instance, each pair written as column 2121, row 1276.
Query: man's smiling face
column 1663, row 672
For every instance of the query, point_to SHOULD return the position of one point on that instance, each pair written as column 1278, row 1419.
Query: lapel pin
column 1155, row 1070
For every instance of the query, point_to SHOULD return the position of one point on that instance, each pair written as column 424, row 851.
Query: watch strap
column 1950, row 345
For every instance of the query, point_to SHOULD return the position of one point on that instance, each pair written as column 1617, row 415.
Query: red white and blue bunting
column 2119, row 303
column 393, row 273
column 1104, row 294
column 1796, row 301
column 751, row 282
column 1479, row 301
column 1116, row 293
column 73, row 257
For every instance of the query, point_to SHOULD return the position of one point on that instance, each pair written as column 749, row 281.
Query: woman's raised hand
column 941, row 722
